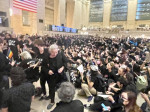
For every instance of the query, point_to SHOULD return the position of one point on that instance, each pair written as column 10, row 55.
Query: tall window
column 119, row 10
column 25, row 18
column 96, row 11
column 143, row 10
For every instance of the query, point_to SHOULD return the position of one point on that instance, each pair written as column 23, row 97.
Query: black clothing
column 131, row 87
column 12, row 43
column 73, row 106
column 18, row 99
column 21, row 44
column 4, row 84
column 4, row 73
column 54, row 64
column 32, row 74
column 99, row 83
column 116, row 107
column 31, row 46
column 4, row 65
column 43, row 76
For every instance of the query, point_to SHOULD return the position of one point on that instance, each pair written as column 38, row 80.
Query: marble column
column 107, row 13
column 132, row 4
column 59, row 12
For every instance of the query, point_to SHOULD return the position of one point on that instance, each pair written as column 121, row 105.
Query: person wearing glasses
column 125, row 103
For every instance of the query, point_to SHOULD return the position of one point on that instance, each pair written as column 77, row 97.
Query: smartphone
column 105, row 108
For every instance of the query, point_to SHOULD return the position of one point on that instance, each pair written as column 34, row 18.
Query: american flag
column 28, row 5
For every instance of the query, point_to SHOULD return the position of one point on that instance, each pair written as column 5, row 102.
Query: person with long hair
column 129, row 102
column 126, row 103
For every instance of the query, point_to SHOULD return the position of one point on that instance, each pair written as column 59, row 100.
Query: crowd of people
column 110, row 71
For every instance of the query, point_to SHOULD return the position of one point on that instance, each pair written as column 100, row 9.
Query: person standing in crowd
column 19, row 97
column 66, row 94
column 13, row 45
column 43, row 52
column 28, row 46
column 54, row 66
column 5, row 67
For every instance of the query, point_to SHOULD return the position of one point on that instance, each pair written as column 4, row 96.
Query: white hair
column 52, row 47
column 66, row 92
column 26, row 55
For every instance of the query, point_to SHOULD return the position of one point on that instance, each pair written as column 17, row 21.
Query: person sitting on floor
column 66, row 94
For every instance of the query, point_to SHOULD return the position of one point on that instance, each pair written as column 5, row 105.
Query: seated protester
column 30, row 66
column 121, row 72
column 96, row 80
column 136, row 69
column 125, row 103
column 130, row 83
column 19, row 97
column 114, row 89
column 66, row 94
column 95, row 83
column 79, row 77
column 110, row 71
column 85, row 89
column 102, row 67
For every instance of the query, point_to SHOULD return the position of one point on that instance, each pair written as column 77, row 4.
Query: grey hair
column 52, row 47
column 26, row 55
column 66, row 92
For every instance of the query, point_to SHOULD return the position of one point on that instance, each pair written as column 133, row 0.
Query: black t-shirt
column 30, row 46
column 98, row 83
column 4, row 65
column 21, row 44
column 18, row 99
column 42, row 56
column 32, row 74
column 12, row 43
column 36, row 51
